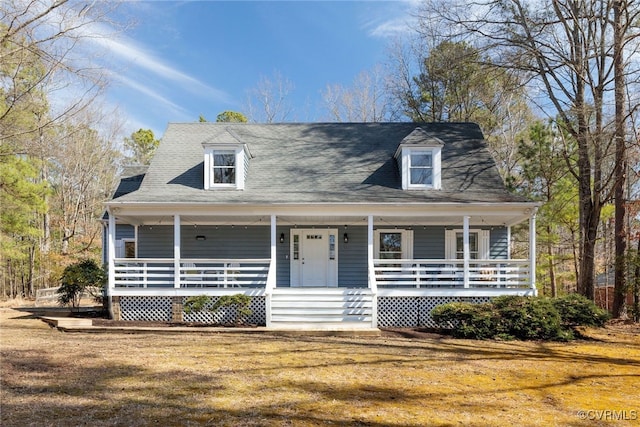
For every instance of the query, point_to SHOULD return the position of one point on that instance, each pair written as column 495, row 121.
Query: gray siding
column 225, row 242
column 428, row 242
column 155, row 241
column 352, row 258
column 283, row 266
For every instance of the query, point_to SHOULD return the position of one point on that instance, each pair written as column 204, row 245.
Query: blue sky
column 183, row 59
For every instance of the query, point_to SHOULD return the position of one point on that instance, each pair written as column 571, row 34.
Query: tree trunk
column 620, row 287
column 552, row 273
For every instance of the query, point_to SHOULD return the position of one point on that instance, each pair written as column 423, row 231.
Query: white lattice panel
column 399, row 312
column 413, row 312
column 150, row 309
column 226, row 315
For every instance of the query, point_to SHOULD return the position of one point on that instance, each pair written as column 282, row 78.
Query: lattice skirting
column 413, row 312
column 226, row 315
column 148, row 309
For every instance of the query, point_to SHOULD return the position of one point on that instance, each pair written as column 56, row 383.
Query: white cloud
column 130, row 53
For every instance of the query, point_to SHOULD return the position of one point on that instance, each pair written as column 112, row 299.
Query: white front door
column 314, row 261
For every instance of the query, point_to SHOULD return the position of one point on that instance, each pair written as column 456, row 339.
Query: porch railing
column 193, row 273
column 413, row 273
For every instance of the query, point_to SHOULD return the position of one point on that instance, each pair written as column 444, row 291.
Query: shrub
column 527, row 318
column 240, row 302
column 518, row 317
column 78, row 278
column 467, row 320
column 577, row 310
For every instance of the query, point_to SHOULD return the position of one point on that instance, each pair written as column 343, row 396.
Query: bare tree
column 564, row 47
column 365, row 101
column 48, row 42
column 269, row 101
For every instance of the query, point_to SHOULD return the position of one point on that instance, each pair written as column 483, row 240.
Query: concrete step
column 325, row 312
column 278, row 303
column 333, row 326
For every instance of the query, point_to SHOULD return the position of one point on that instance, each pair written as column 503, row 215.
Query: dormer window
column 421, row 168
column 224, row 167
column 226, row 162
column 418, row 158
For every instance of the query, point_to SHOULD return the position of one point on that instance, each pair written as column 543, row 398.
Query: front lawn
column 64, row 379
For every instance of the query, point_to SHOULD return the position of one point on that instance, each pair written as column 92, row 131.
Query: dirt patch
column 157, row 324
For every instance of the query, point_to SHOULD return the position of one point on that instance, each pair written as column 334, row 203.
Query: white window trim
column 121, row 245
column 436, row 165
column 483, row 242
column 407, row 241
column 209, row 152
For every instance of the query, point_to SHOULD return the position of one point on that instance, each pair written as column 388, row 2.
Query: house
column 327, row 225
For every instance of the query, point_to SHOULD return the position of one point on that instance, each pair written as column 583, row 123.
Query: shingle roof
column 321, row 163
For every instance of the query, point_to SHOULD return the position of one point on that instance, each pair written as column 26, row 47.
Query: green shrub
column 77, row 278
column 527, row 318
column 577, row 310
column 467, row 320
column 240, row 302
column 518, row 317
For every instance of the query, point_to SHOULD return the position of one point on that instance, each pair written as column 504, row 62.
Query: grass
column 63, row 379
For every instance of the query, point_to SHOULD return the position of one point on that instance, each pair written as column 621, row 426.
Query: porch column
column 176, row 251
column 370, row 251
column 111, row 248
column 465, row 249
column 272, row 263
column 372, row 274
column 532, row 250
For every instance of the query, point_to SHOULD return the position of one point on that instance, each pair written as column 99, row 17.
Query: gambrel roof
column 321, row 163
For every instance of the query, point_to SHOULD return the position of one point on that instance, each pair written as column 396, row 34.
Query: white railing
column 427, row 273
column 193, row 273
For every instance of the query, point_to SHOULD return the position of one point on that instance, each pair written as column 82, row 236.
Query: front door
column 314, row 261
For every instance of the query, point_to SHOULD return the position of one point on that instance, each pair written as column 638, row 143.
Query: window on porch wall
column 393, row 244
column 478, row 244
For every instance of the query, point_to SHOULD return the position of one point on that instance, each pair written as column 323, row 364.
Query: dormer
column 419, row 161
column 226, row 162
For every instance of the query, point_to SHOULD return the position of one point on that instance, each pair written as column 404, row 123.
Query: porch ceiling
column 338, row 220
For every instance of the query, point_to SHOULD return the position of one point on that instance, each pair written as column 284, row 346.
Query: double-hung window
column 224, row 167
column 419, row 158
column 393, row 244
column 421, row 168
column 478, row 244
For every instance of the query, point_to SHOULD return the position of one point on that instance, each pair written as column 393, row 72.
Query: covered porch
column 443, row 252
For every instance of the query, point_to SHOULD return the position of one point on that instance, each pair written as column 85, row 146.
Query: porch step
column 321, row 308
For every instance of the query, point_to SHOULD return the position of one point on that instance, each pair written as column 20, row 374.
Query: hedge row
column 517, row 317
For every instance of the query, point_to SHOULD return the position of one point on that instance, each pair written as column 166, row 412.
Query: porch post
column 272, row 264
column 372, row 274
column 176, row 251
column 532, row 249
column 111, row 248
column 465, row 249
column 370, row 248
column 271, row 276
